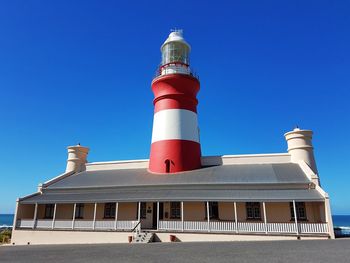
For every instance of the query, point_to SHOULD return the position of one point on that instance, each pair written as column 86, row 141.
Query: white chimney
column 77, row 158
column 300, row 147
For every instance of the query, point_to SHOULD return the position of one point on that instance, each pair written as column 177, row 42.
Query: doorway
column 161, row 209
column 149, row 214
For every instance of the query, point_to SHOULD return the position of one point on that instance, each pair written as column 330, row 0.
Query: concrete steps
column 143, row 237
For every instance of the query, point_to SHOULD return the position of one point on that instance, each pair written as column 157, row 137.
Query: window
column 213, row 210
column 175, row 210
column 253, row 210
column 143, row 211
column 49, row 208
column 109, row 210
column 301, row 211
column 79, row 211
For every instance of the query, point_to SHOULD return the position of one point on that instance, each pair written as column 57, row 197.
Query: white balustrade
column 200, row 226
column 222, row 226
column 170, row 225
column 126, row 224
column 246, row 227
column 83, row 224
column 281, row 228
column 25, row 223
column 196, row 225
column 251, row 227
column 44, row 223
column 78, row 224
column 104, row 224
column 312, row 228
column 63, row 224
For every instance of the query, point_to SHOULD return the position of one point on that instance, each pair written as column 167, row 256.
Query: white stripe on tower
column 175, row 124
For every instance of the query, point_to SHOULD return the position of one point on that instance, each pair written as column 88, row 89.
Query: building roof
column 286, row 173
column 239, row 182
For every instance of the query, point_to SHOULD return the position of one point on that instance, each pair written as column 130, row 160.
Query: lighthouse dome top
column 176, row 36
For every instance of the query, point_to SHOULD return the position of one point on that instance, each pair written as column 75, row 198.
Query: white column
column 35, row 214
column 208, row 217
column 16, row 213
column 182, row 216
column 116, row 216
column 265, row 220
column 236, row 219
column 295, row 217
column 157, row 215
column 139, row 212
column 94, row 221
column 54, row 216
column 329, row 219
column 73, row 219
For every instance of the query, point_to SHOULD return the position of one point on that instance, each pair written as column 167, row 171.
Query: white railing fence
column 251, row 227
column 44, row 223
column 78, row 224
column 104, row 225
column 191, row 226
column 196, row 225
column 222, row 226
column 244, row 227
column 126, row 225
column 170, row 225
column 83, row 224
column 308, row 228
column 281, row 228
column 63, row 224
column 24, row 223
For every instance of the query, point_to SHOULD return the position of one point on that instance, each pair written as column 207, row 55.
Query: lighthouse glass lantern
column 175, row 54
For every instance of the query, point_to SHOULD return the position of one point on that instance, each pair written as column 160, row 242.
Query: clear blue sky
column 80, row 71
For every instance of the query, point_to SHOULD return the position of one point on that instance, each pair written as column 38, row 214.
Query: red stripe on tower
column 175, row 136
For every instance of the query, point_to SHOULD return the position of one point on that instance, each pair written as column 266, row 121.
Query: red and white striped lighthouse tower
column 175, row 137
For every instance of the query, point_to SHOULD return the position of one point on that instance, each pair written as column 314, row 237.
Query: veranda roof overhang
column 164, row 195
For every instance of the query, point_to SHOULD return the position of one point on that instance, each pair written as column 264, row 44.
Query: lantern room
column 175, row 54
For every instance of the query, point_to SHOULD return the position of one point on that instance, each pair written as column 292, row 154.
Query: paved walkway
column 329, row 251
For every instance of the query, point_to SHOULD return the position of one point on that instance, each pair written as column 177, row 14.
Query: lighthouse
column 175, row 137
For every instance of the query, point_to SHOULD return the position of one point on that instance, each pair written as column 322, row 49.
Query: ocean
column 341, row 220
column 338, row 220
column 6, row 220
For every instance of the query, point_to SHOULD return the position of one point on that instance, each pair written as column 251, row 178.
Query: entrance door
column 147, row 215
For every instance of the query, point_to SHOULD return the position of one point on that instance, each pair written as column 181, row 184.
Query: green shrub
column 5, row 236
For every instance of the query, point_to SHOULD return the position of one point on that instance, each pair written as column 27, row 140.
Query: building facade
column 178, row 194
